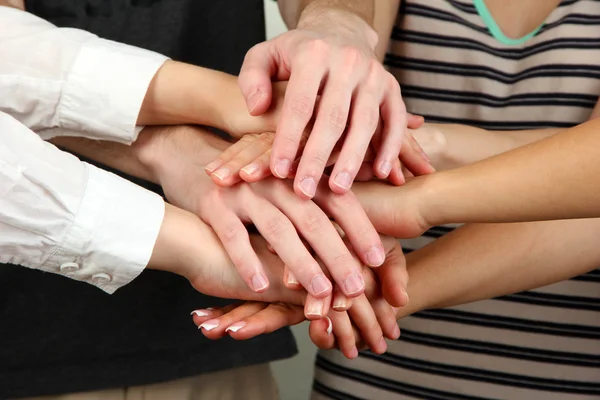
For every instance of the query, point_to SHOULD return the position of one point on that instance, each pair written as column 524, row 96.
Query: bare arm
column 554, row 178
column 452, row 145
column 482, row 261
column 385, row 15
column 291, row 10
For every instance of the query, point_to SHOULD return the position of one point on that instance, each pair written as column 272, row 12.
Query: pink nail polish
column 259, row 283
column 210, row 167
column 222, row 173
column 375, row 256
column 282, row 168
column 250, row 169
column 320, row 284
column 308, row 186
column 354, row 284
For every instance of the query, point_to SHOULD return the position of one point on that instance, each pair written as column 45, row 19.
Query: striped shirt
column 540, row 344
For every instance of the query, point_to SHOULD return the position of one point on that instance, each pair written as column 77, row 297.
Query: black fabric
column 60, row 336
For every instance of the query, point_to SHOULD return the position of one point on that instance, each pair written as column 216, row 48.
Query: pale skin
column 333, row 46
column 506, row 142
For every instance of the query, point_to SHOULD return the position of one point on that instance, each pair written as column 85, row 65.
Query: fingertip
column 259, row 101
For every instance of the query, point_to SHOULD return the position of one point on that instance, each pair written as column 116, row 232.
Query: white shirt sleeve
column 60, row 215
column 69, row 82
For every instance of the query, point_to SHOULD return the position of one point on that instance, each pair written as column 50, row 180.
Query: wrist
column 353, row 18
column 159, row 148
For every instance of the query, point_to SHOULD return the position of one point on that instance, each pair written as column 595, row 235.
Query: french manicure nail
column 259, row 282
column 308, row 186
column 282, row 168
column 340, row 304
column 251, row 169
column 329, row 326
column 255, row 99
column 201, row 313
column 236, row 327
column 211, row 166
column 343, row 180
column 375, row 256
column 291, row 279
column 209, row 325
column 222, row 173
column 354, row 284
column 386, row 168
column 315, row 308
column 320, row 284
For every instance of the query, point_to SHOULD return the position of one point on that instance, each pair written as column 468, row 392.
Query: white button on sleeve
column 63, row 216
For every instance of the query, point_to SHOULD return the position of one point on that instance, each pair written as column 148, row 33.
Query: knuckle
column 312, row 222
column 318, row 46
column 336, row 119
column 232, row 232
column 351, row 55
column 370, row 117
column 275, row 229
column 302, row 106
column 265, row 139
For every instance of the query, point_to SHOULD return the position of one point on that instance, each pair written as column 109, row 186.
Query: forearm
column 554, row 178
column 186, row 94
column 478, row 262
column 145, row 155
column 384, row 19
column 292, row 10
column 451, row 145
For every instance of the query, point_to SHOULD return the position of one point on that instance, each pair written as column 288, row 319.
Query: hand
column 248, row 159
column 199, row 256
column 372, row 316
column 334, row 49
column 278, row 215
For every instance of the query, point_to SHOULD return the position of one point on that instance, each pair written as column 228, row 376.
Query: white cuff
column 105, row 90
column 113, row 235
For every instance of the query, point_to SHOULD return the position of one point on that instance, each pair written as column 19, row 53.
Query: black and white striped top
column 541, row 344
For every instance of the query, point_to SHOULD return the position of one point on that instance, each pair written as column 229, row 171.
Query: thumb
column 255, row 78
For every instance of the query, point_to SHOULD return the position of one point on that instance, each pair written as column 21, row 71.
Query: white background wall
column 294, row 375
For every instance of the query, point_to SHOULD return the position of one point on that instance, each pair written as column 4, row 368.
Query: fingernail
column 340, row 304
column 382, row 345
column 291, row 279
column 375, row 256
column 405, row 296
column 211, row 166
column 259, row 282
column 343, row 180
column 320, row 284
column 255, row 99
column 386, row 168
column 353, row 352
column 329, row 326
column 250, row 169
column 282, row 168
column 209, row 325
column 354, row 284
column 201, row 313
column 425, row 156
column 396, row 332
column 222, row 173
column 308, row 186
column 315, row 308
column 236, row 327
